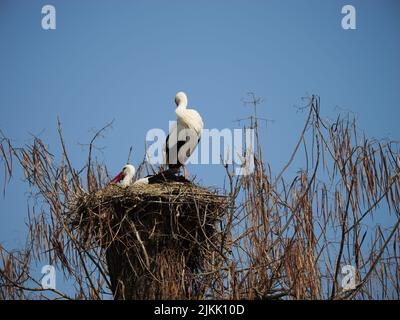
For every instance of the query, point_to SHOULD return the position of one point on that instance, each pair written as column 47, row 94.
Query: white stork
column 178, row 151
column 163, row 176
column 124, row 178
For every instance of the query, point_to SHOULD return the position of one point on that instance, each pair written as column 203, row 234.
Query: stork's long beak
column 118, row 178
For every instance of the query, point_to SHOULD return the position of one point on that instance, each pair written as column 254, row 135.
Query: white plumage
column 188, row 121
column 124, row 178
column 187, row 118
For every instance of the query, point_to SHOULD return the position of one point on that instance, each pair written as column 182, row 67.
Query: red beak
column 118, row 178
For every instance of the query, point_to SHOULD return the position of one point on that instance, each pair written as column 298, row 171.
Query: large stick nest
column 150, row 232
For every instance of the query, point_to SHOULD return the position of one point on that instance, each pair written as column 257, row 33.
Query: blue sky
column 125, row 60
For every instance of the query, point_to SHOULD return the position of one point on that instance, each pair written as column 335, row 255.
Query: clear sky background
column 125, row 60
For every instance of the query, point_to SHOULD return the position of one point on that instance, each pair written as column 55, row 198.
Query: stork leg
column 185, row 172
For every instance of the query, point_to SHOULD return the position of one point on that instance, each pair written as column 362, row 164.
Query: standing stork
column 178, row 145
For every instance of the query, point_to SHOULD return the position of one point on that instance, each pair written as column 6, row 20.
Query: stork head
column 124, row 178
column 181, row 99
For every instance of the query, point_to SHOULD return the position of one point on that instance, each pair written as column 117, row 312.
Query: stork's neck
column 180, row 111
column 182, row 103
column 126, row 181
